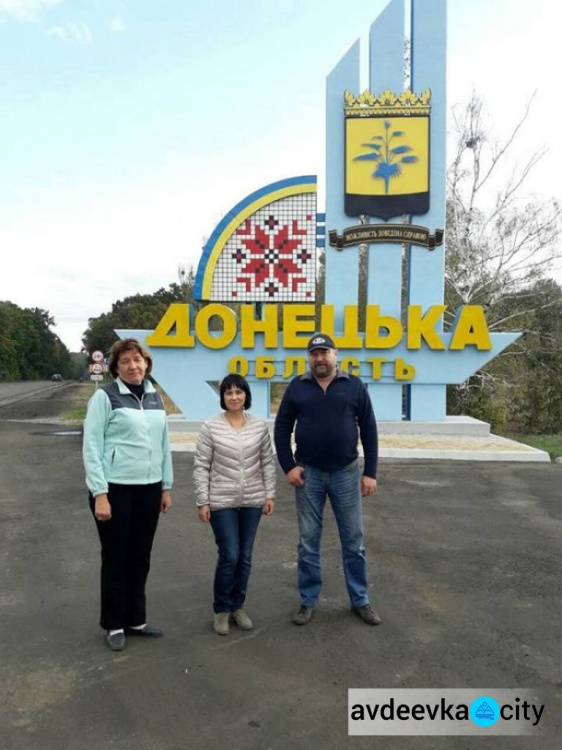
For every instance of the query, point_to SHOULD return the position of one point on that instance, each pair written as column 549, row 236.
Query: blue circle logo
column 484, row 711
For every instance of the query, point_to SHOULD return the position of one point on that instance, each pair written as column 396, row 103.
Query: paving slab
column 451, row 447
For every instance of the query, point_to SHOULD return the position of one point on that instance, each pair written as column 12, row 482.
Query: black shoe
column 303, row 616
column 147, row 632
column 368, row 615
column 116, row 642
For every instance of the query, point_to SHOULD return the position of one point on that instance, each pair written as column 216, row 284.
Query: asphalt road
column 9, row 391
column 465, row 571
column 31, row 399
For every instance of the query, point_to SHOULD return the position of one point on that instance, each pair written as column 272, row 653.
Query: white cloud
column 56, row 32
column 25, row 10
column 117, row 25
column 72, row 32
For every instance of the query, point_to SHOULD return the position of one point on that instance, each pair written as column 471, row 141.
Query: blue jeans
column 235, row 531
column 343, row 487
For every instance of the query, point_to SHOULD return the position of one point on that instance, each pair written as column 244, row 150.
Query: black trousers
column 126, row 545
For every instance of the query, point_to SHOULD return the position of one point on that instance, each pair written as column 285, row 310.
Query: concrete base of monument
column 457, row 447
column 450, row 426
column 457, row 438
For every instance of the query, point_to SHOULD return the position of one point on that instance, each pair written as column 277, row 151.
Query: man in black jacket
column 331, row 410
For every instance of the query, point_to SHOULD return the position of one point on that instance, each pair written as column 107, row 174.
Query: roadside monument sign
column 385, row 196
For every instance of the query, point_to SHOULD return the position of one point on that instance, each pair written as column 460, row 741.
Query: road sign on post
column 97, row 368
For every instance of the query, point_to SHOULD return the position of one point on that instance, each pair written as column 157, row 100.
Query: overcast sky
column 129, row 129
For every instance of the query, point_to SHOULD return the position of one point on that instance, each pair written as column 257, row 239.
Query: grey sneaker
column 368, row 615
column 221, row 623
column 116, row 642
column 303, row 616
column 242, row 620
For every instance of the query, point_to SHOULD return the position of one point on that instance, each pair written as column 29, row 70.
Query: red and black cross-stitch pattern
column 271, row 256
column 268, row 260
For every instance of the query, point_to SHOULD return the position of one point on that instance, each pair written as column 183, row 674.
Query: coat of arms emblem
column 387, row 154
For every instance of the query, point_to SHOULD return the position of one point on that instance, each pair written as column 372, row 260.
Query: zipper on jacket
column 149, row 442
column 139, row 399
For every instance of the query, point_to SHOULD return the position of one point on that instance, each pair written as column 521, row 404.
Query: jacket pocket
column 129, row 462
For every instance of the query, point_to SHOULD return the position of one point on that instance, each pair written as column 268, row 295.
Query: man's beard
column 323, row 370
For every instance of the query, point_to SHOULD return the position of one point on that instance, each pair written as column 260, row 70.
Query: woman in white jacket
column 234, row 485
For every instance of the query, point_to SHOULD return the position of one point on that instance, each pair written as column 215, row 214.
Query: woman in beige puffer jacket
column 234, row 476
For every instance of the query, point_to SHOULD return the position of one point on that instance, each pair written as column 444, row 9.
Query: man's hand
column 368, row 486
column 165, row 501
column 294, row 476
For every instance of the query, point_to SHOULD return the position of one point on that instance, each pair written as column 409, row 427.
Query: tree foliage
column 29, row 350
column 500, row 250
column 538, row 403
column 139, row 311
column 499, row 243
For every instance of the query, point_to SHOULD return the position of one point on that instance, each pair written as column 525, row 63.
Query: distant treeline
column 29, row 350
column 137, row 312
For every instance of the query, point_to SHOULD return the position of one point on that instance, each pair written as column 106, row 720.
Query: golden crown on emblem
column 387, row 103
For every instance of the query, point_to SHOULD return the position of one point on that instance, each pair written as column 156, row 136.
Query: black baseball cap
column 320, row 341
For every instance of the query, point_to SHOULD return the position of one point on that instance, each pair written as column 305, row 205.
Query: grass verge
column 80, row 395
column 552, row 444
column 83, row 392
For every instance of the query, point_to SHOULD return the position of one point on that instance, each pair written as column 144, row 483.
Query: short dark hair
column 235, row 381
column 128, row 345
